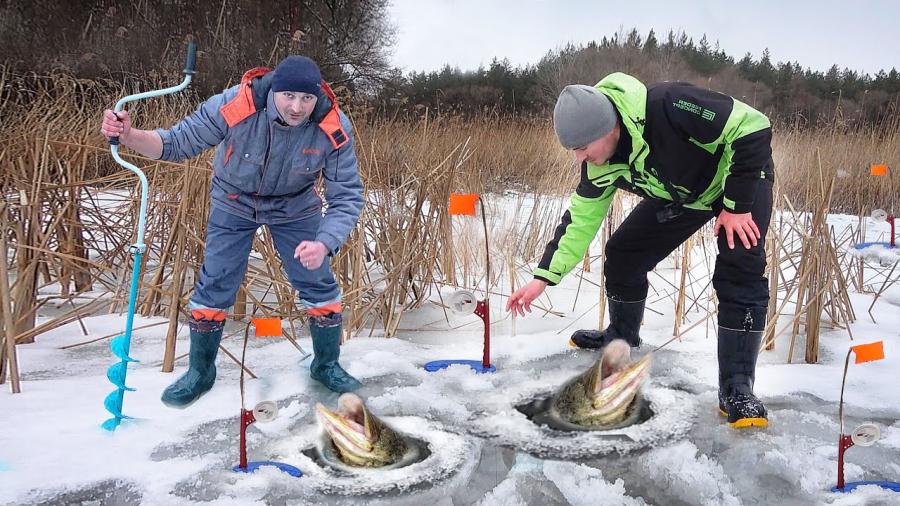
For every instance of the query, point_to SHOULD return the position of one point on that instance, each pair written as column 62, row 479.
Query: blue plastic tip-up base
column 864, row 245
column 476, row 365
column 850, row 487
column 253, row 466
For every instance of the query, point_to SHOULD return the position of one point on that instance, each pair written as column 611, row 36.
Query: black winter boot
column 624, row 323
column 739, row 343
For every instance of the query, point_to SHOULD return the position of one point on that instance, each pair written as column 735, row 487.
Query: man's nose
column 580, row 156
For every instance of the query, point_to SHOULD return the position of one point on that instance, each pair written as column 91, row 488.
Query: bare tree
column 101, row 38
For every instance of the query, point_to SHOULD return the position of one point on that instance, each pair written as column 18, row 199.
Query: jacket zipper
column 265, row 166
column 266, row 156
column 634, row 170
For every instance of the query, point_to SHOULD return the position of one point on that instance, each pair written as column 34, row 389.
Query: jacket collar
column 630, row 99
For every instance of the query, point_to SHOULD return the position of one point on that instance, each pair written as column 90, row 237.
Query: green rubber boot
column 326, row 336
column 201, row 374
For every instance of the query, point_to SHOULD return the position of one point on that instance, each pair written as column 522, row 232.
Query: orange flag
column 878, row 170
column 868, row 352
column 463, row 203
column 267, row 327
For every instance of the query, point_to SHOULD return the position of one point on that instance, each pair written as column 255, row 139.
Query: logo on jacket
column 311, row 151
column 695, row 109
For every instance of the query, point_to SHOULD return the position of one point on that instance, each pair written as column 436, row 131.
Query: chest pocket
column 302, row 172
column 242, row 167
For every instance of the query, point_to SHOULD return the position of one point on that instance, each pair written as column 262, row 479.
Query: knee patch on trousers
column 326, row 316
column 207, row 320
column 325, row 321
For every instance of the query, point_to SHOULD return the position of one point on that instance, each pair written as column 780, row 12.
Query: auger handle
column 191, row 58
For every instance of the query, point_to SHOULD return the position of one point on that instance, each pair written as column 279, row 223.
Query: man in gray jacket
column 275, row 133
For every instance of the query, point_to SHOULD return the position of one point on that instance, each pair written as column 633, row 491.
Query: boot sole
column 339, row 391
column 743, row 423
column 187, row 405
column 572, row 344
column 183, row 406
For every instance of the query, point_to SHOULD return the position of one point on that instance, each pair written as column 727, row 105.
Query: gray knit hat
column 582, row 115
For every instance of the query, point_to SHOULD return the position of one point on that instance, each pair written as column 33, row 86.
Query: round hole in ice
column 325, row 454
column 542, row 411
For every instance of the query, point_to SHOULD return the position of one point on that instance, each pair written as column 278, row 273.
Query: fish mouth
column 603, row 395
column 352, row 429
column 613, row 395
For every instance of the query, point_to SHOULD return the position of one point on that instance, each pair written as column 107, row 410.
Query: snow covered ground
column 482, row 449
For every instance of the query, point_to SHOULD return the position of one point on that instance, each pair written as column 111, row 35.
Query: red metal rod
column 246, row 419
column 483, row 310
column 843, row 443
column 890, row 220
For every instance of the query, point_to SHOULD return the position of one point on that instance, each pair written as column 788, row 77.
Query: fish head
column 603, row 395
column 616, row 357
column 360, row 437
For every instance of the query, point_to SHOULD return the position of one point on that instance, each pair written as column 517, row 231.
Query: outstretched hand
column 741, row 225
column 520, row 300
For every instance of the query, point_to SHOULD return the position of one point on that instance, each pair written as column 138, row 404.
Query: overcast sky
column 863, row 35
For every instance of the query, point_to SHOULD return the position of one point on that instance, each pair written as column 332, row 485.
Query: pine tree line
column 144, row 41
column 786, row 91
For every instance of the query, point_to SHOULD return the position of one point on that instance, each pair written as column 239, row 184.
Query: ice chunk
column 687, row 476
column 584, row 486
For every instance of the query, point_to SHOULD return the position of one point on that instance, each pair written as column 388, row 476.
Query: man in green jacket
column 693, row 155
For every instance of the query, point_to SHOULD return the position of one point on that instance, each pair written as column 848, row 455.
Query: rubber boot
column 201, row 374
column 326, row 337
column 624, row 323
column 739, row 343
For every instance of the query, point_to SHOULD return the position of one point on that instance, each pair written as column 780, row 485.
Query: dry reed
column 72, row 215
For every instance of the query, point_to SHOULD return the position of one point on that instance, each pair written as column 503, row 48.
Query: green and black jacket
column 679, row 143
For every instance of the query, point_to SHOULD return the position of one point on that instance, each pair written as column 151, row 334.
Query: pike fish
column 602, row 396
column 360, row 438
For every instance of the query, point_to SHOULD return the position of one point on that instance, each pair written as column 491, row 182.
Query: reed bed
column 70, row 216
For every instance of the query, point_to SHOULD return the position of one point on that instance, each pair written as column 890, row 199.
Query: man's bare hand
column 114, row 126
column 741, row 225
column 311, row 254
column 520, row 300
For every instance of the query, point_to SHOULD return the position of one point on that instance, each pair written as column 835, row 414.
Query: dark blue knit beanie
column 297, row 73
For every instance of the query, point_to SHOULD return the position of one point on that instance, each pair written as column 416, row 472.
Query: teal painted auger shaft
column 121, row 345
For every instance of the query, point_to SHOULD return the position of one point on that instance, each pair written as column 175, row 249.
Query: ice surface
column 584, row 486
column 692, row 478
column 483, row 450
